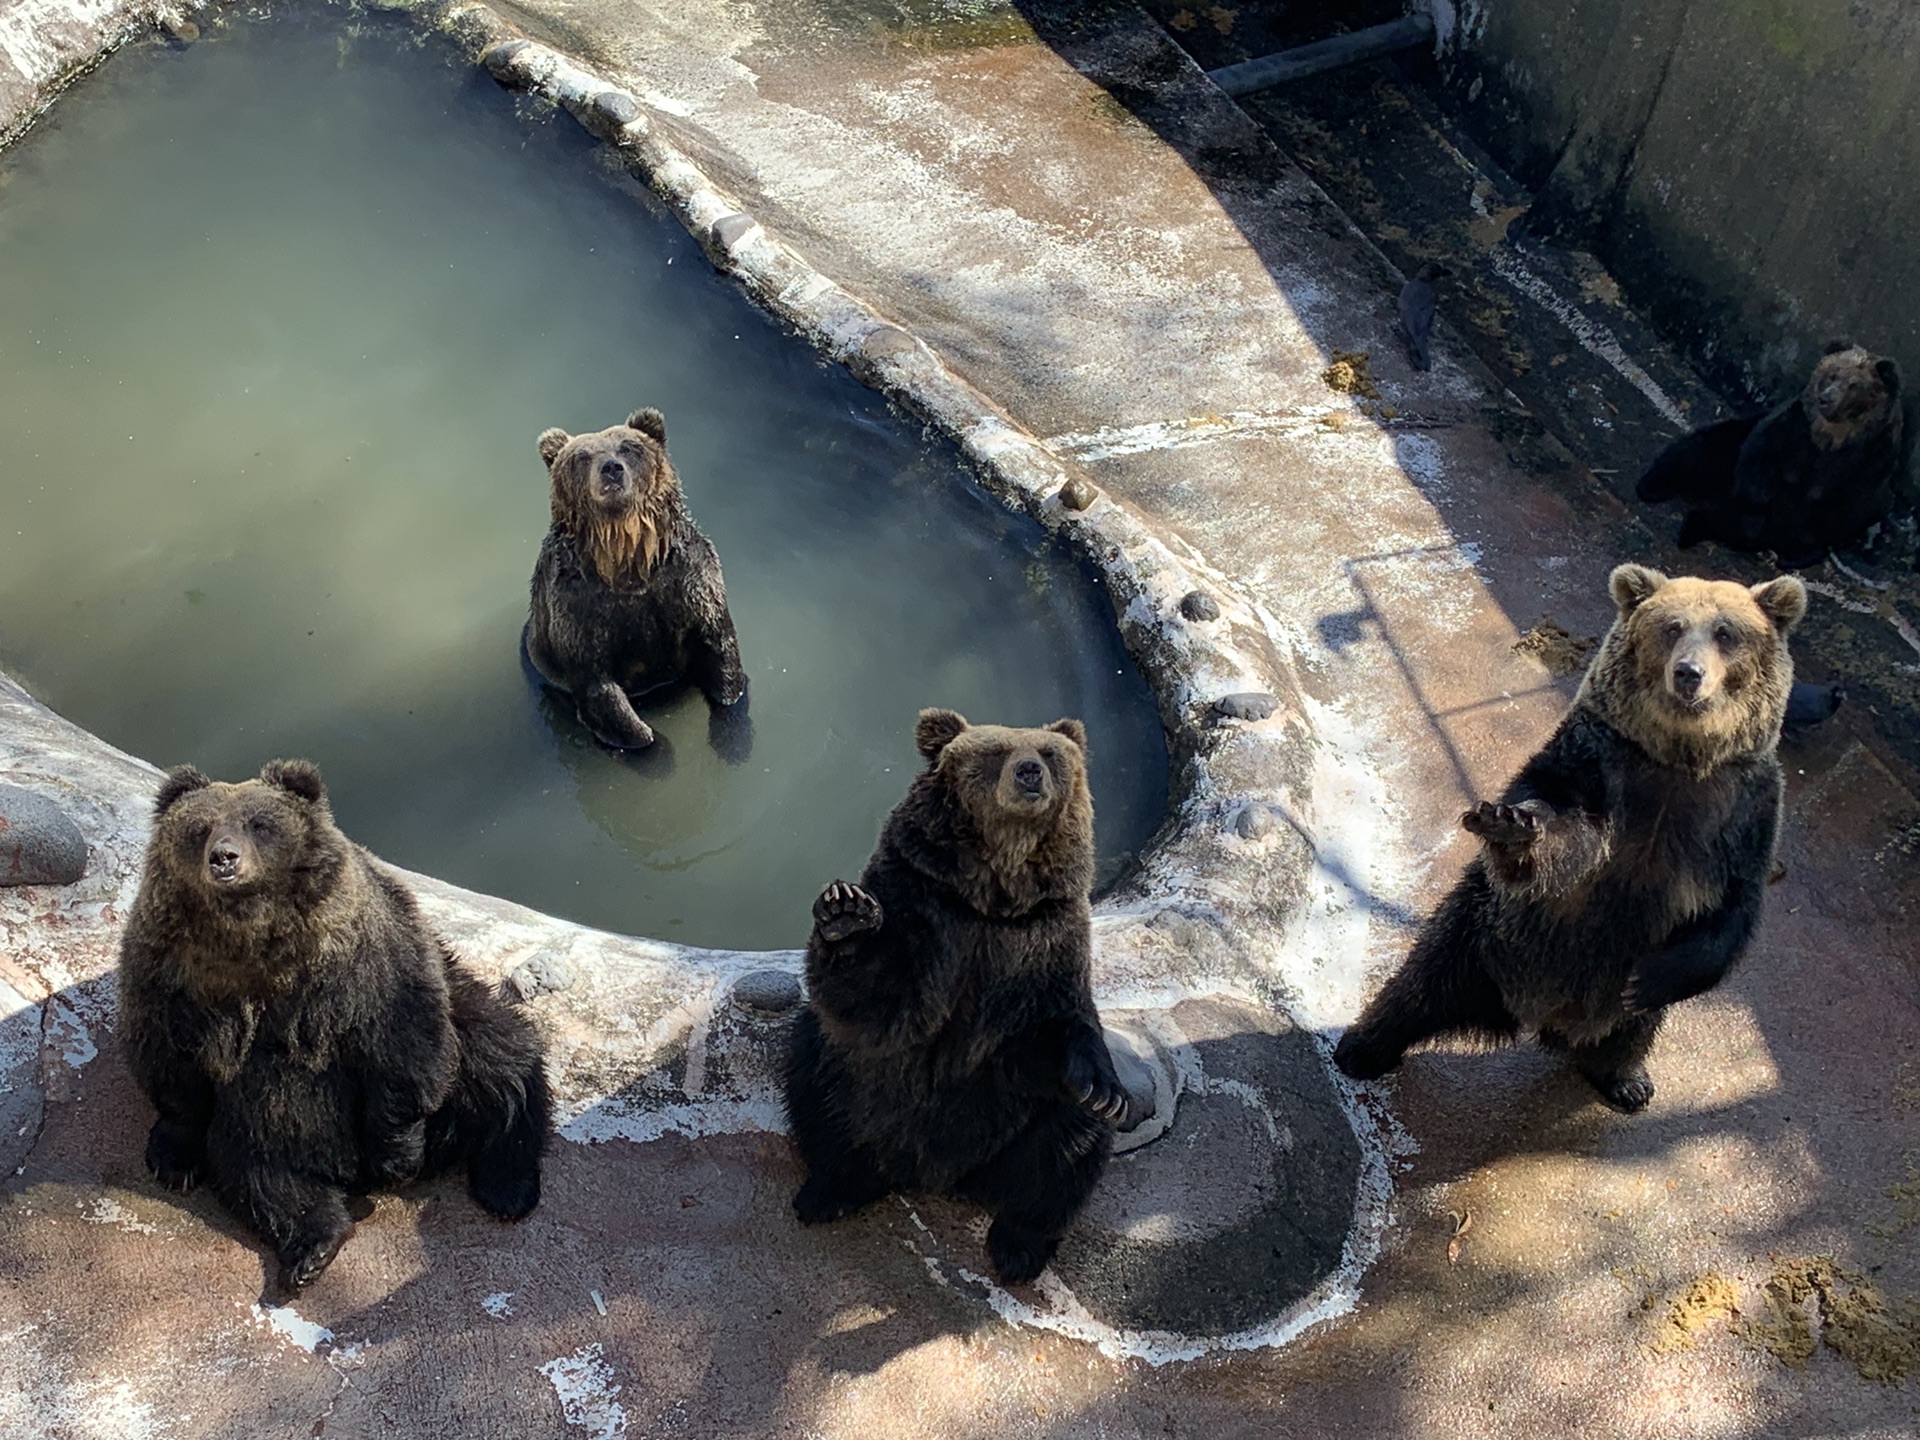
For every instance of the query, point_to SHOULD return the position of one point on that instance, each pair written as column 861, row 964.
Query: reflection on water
column 280, row 317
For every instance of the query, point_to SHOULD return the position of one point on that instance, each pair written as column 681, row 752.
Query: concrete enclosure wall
column 1748, row 168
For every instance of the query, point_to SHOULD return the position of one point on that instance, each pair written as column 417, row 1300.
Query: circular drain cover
column 1240, row 1206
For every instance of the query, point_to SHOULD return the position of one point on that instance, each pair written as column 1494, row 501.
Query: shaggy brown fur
column 1852, row 395
column 624, row 533
column 303, row 1036
column 1623, row 869
column 950, row 1041
column 627, row 594
column 1668, row 628
column 1817, row 472
column 1026, row 845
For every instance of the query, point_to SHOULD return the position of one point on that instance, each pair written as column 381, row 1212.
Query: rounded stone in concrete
column 616, row 107
column 1078, row 494
column 1200, row 606
column 1243, row 1206
column 499, row 59
column 39, row 845
column 543, row 975
column 1255, row 822
column 1246, row 705
column 767, row 992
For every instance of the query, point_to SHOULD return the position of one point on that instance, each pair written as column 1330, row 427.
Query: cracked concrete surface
column 1031, row 224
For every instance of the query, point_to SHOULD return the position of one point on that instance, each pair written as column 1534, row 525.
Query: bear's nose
column 1030, row 773
column 1688, row 676
column 223, row 859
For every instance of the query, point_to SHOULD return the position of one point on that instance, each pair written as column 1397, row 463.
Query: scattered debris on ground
column 1349, row 375
column 1705, row 1302
column 1807, row 1301
column 1555, row 647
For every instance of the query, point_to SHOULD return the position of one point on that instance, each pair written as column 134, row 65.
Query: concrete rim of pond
column 1233, row 904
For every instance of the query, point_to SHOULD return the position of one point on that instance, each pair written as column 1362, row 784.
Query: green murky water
column 280, row 316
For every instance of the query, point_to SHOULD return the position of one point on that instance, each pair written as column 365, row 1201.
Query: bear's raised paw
column 844, row 910
column 1511, row 827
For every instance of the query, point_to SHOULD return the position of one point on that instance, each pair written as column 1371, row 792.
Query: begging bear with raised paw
column 950, row 1042
column 1622, row 871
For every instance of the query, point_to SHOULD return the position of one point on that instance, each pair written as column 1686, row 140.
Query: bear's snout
column 1025, row 785
column 1688, row 677
column 230, row 859
column 613, row 476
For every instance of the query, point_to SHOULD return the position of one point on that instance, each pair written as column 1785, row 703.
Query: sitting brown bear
column 304, row 1038
column 627, row 593
column 950, row 1041
column 1816, row 473
column 1622, row 870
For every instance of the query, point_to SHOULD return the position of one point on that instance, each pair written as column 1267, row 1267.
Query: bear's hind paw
column 1628, row 1092
column 1018, row 1255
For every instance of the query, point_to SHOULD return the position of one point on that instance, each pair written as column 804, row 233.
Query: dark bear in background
column 627, row 593
column 303, row 1037
column 1816, row 473
column 950, row 1041
column 1622, row 870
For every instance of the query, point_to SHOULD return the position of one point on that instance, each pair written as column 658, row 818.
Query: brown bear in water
column 627, row 593
column 303, row 1037
column 1816, row 473
column 1622, row 870
column 950, row 1041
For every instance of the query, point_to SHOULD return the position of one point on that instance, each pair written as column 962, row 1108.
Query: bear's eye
column 1723, row 634
column 1673, row 629
column 259, row 825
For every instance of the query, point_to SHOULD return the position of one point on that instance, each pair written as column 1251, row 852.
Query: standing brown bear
column 950, row 1041
column 627, row 592
column 1622, row 871
column 303, row 1037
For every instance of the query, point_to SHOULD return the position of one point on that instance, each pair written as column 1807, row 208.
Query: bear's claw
column 1512, row 827
column 844, row 910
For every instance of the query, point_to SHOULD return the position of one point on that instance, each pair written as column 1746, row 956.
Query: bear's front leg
column 609, row 714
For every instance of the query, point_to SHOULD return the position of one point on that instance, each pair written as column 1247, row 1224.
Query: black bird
column 1416, row 312
column 1809, row 704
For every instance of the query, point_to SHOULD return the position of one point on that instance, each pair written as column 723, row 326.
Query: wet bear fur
column 627, row 592
column 1622, row 870
column 1812, row 475
column 950, row 1043
column 304, row 1038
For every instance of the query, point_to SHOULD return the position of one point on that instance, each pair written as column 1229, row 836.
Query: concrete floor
column 1084, row 229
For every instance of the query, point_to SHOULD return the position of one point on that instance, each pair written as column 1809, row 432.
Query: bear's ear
column 1784, row 600
column 299, row 778
column 551, row 443
column 649, row 421
column 1632, row 585
column 181, row 780
column 1889, row 374
column 1834, row 347
column 1072, row 729
column 936, row 729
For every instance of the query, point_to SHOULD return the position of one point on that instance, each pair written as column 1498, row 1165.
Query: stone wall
column 1748, row 168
